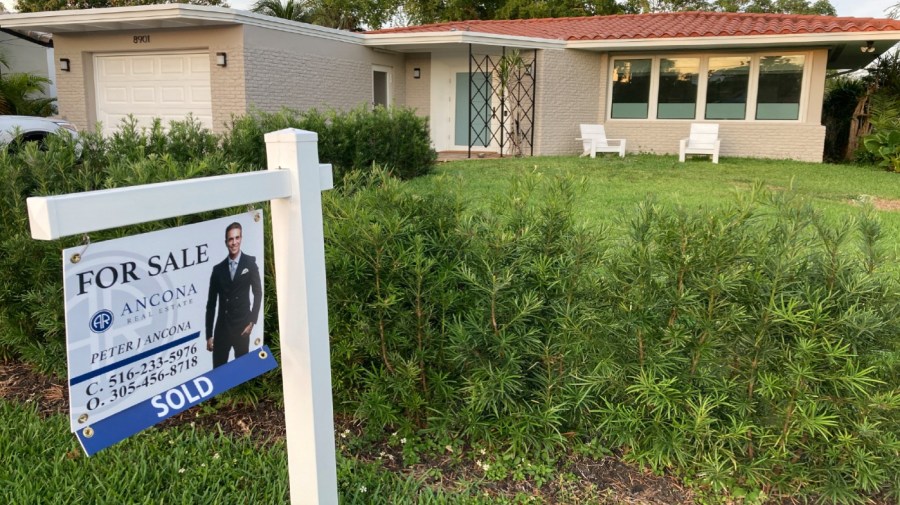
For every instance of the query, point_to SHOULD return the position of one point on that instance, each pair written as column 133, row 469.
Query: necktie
column 232, row 266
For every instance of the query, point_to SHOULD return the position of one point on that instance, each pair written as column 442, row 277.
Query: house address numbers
column 141, row 39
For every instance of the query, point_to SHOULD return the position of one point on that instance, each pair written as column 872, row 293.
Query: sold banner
column 158, row 322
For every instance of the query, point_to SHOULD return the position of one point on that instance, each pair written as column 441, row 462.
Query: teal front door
column 479, row 110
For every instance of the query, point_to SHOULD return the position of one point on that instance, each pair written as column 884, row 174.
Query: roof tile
column 659, row 25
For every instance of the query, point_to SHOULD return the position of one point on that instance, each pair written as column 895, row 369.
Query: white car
column 32, row 129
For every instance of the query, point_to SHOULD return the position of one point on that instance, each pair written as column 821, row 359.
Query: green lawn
column 41, row 462
column 613, row 184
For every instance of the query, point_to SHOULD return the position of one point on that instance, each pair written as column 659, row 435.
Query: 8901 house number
column 141, row 39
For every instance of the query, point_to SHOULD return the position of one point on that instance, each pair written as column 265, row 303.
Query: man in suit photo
column 230, row 286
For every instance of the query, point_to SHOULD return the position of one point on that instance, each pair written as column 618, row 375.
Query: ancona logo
column 101, row 321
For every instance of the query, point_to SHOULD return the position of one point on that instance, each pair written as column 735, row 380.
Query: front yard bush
column 751, row 349
column 395, row 138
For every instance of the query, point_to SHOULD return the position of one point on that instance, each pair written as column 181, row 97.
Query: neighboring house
column 646, row 77
column 29, row 52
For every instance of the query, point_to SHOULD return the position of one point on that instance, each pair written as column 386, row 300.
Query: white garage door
column 167, row 86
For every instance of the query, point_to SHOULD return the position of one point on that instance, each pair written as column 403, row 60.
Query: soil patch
column 878, row 203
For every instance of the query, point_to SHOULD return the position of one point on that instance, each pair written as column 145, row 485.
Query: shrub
column 884, row 143
column 394, row 138
column 751, row 347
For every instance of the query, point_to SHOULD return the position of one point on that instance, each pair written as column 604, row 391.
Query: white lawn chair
column 704, row 139
column 593, row 137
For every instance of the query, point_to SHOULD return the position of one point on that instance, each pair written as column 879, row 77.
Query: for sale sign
column 158, row 322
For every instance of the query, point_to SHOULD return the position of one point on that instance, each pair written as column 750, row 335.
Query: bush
column 884, row 143
column 752, row 347
column 394, row 138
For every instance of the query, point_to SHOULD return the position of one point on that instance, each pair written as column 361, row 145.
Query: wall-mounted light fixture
column 868, row 48
column 417, row 73
column 64, row 64
column 221, row 59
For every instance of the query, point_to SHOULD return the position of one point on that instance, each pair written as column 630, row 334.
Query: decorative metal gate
column 511, row 77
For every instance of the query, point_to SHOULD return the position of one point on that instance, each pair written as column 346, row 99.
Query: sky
column 856, row 8
column 860, row 8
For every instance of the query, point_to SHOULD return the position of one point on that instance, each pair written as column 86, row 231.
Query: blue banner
column 113, row 430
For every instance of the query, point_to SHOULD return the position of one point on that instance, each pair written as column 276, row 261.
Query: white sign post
column 299, row 244
column 293, row 184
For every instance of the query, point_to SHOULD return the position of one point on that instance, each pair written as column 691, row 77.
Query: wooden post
column 303, row 316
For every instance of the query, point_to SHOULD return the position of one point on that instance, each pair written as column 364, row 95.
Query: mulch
column 264, row 423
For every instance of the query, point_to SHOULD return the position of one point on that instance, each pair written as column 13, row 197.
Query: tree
column 57, row 5
column 645, row 6
column 435, row 11
column 820, row 7
column 351, row 14
column 20, row 93
column 529, row 9
column 294, row 11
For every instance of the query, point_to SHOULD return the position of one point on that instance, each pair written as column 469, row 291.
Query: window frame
column 702, row 85
column 654, row 84
column 804, row 84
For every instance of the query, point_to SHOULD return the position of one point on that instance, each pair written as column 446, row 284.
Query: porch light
column 868, row 48
column 64, row 64
column 417, row 73
column 221, row 59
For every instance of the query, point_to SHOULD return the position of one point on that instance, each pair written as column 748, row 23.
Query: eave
column 161, row 16
column 425, row 41
column 843, row 47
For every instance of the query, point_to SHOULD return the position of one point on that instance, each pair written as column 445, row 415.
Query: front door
column 472, row 118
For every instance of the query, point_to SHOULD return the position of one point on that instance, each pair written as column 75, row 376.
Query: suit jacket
column 233, row 297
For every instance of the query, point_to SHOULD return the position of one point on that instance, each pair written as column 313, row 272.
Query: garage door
column 167, row 86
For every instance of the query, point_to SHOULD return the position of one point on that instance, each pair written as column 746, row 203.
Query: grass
column 614, row 185
column 41, row 462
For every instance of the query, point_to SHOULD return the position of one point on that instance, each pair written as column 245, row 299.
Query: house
column 497, row 86
column 29, row 52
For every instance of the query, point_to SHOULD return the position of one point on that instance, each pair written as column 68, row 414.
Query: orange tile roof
column 660, row 25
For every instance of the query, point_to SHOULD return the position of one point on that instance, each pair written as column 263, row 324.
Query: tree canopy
column 57, row 5
column 295, row 11
column 821, row 7
column 373, row 14
column 432, row 11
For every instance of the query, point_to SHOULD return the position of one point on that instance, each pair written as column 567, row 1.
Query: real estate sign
column 158, row 322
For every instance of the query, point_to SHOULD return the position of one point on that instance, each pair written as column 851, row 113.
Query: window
column 678, row 80
column 631, row 89
column 766, row 86
column 780, row 83
column 726, row 89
